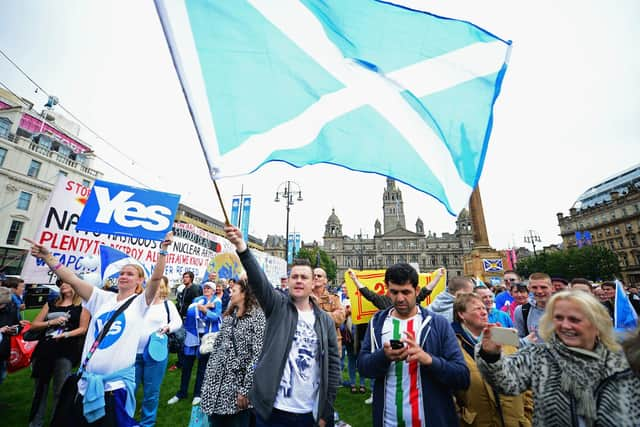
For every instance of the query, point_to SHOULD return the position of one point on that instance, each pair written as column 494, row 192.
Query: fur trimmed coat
column 568, row 384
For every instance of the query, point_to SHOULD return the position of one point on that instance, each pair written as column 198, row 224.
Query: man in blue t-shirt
column 510, row 277
column 495, row 315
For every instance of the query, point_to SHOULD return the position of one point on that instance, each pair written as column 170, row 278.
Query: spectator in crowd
column 328, row 302
column 348, row 331
column 520, row 293
column 107, row 384
column 479, row 405
column 298, row 374
column 284, row 285
column 578, row 375
column 17, row 292
column 229, row 374
column 581, row 284
column 406, row 341
column 383, row 301
column 510, row 277
column 186, row 294
column 559, row 284
column 631, row 348
column 65, row 324
column 528, row 315
column 634, row 297
column 162, row 317
column 495, row 315
column 9, row 325
column 222, row 292
column 609, row 297
column 203, row 316
column 443, row 303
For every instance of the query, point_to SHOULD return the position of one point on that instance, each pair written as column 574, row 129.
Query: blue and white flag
column 367, row 85
column 112, row 261
column 624, row 316
column 492, row 265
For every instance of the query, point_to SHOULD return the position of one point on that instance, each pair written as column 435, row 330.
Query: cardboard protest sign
column 362, row 309
column 122, row 210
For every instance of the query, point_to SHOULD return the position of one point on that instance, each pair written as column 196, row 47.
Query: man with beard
column 414, row 357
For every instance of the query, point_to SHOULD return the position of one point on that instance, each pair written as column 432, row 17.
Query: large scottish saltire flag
column 624, row 315
column 367, row 85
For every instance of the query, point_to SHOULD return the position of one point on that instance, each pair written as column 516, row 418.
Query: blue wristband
column 163, row 252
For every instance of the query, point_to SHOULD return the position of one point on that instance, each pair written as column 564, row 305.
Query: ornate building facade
column 609, row 213
column 395, row 243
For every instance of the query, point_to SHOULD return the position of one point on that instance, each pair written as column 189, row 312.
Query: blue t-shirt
column 497, row 316
column 502, row 298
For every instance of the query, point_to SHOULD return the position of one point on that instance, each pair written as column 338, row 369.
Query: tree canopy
column 595, row 263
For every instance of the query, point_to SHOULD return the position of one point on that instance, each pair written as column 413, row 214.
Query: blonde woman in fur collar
column 579, row 375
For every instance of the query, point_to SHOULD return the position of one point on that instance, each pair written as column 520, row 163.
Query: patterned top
column 230, row 367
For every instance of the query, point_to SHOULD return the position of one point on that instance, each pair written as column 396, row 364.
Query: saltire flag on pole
column 624, row 316
column 364, row 84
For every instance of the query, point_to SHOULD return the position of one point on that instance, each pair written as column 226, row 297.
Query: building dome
column 333, row 218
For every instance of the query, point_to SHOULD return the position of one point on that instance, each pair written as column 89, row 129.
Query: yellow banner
column 362, row 309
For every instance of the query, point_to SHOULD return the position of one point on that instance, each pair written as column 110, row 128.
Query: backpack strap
column 105, row 331
column 525, row 315
column 166, row 307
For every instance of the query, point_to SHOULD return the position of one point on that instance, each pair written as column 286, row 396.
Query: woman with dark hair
column 229, row 374
column 66, row 322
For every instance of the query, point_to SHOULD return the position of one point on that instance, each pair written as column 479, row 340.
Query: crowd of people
column 534, row 352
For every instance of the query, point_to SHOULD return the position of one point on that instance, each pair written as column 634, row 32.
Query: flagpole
column 167, row 33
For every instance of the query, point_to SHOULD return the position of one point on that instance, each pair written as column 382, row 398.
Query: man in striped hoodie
column 415, row 382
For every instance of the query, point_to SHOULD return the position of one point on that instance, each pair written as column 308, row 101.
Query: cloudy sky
column 567, row 116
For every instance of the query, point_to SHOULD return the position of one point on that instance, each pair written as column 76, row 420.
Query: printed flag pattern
column 112, row 261
column 367, row 85
column 492, row 265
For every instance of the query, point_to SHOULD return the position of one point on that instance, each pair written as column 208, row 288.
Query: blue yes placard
column 128, row 211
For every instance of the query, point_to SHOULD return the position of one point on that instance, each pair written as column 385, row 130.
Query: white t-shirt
column 403, row 390
column 118, row 348
column 300, row 381
column 155, row 319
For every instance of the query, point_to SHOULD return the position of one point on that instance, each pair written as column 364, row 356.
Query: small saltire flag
column 364, row 84
column 624, row 316
column 492, row 265
column 112, row 261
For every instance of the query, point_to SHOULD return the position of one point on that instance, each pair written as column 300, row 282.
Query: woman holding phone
column 579, row 375
column 480, row 404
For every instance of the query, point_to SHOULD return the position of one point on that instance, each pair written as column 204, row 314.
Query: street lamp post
column 287, row 190
column 532, row 237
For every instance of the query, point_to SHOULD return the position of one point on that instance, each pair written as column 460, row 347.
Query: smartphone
column 396, row 344
column 505, row 336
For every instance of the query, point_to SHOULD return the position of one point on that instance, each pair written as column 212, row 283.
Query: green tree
column 595, row 263
column 326, row 263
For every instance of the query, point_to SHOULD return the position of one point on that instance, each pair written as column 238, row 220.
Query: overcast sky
column 567, row 116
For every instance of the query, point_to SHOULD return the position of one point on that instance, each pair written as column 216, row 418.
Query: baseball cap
column 209, row 284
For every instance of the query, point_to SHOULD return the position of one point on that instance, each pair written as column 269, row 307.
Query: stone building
column 609, row 213
column 395, row 243
column 35, row 149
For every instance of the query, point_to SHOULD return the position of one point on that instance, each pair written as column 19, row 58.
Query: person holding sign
column 579, row 375
column 105, row 388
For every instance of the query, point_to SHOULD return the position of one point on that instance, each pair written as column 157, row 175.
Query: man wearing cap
column 559, row 284
column 505, row 297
